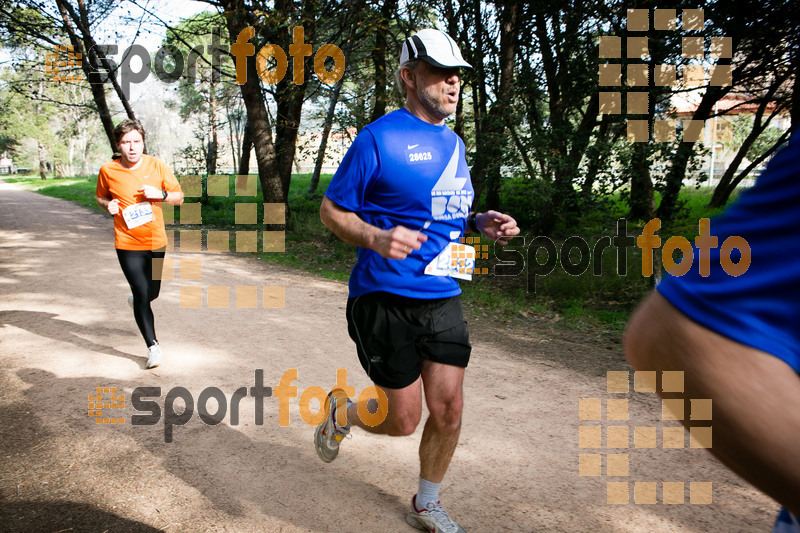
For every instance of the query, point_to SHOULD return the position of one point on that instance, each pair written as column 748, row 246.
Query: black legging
column 138, row 268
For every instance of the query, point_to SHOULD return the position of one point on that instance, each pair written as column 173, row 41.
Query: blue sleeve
column 758, row 308
column 356, row 174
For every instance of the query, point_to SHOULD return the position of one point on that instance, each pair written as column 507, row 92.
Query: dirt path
column 65, row 329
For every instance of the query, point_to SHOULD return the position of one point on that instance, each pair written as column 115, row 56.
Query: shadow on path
column 46, row 325
column 233, row 472
column 38, row 516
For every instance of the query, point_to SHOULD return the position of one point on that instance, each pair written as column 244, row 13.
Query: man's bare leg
column 403, row 416
column 755, row 396
column 443, row 396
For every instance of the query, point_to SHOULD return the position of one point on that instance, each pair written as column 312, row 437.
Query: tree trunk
column 213, row 145
column 42, row 166
column 233, row 133
column 247, row 146
column 84, row 25
column 91, row 68
column 326, row 131
column 84, row 158
column 642, row 202
column 491, row 145
column 566, row 198
column 642, row 206
column 719, row 200
column 257, row 119
column 70, row 168
column 379, row 59
column 521, row 149
column 479, row 100
column 677, row 170
column 553, row 163
column 287, row 124
column 290, row 96
column 724, row 188
column 597, row 156
column 90, row 64
column 452, row 29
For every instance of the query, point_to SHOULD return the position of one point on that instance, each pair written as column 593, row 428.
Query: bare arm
column 393, row 243
column 112, row 206
column 497, row 226
column 153, row 194
column 174, row 197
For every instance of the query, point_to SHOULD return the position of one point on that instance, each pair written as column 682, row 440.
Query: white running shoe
column 328, row 435
column 433, row 519
column 130, row 301
column 154, row 356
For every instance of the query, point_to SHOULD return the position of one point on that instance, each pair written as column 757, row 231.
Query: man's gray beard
column 432, row 105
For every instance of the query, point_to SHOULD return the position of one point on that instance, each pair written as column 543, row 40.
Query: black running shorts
column 393, row 334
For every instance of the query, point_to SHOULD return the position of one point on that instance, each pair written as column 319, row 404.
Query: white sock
column 427, row 492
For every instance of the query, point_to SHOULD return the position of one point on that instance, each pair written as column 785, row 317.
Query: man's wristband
column 164, row 197
column 471, row 224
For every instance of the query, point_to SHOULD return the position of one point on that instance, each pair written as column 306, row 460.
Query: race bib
column 456, row 260
column 137, row 214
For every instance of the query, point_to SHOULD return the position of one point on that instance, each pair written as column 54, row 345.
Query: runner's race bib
column 137, row 214
column 456, row 260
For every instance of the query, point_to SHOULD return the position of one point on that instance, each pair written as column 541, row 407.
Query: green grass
column 309, row 244
column 586, row 301
column 79, row 190
column 694, row 206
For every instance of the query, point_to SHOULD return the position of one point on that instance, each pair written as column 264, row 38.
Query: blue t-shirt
column 403, row 171
column 760, row 308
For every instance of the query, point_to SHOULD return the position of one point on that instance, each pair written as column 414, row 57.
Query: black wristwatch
column 164, row 197
column 471, row 223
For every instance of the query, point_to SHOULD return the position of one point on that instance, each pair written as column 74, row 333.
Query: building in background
column 723, row 133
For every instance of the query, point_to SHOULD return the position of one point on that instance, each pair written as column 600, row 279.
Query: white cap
column 434, row 47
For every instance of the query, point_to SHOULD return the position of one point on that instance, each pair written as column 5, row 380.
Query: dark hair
column 126, row 126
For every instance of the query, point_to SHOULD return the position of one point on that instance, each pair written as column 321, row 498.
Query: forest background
column 579, row 117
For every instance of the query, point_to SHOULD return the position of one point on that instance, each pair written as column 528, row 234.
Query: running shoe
column 328, row 435
column 154, row 356
column 130, row 301
column 433, row 519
